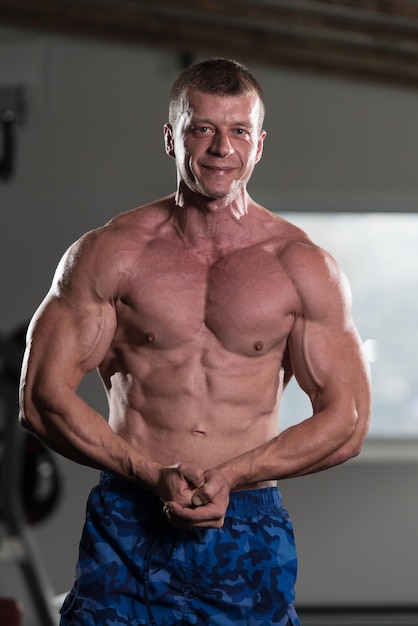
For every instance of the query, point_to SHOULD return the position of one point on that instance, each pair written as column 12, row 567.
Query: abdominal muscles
column 186, row 407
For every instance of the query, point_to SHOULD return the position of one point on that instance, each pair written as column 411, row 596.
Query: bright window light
column 379, row 254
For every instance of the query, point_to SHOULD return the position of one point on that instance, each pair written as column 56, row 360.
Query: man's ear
column 260, row 145
column 169, row 140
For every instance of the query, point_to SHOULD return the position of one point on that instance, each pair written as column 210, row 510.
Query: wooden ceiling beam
column 309, row 14
column 257, row 9
column 394, row 8
column 247, row 42
column 294, row 15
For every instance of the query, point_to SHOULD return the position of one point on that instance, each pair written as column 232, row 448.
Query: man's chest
column 245, row 300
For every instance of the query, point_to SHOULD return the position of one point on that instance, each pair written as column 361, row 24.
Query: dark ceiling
column 373, row 40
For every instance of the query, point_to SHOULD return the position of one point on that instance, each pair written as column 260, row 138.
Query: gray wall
column 92, row 147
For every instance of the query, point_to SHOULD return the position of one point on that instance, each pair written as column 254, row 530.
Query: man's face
column 216, row 143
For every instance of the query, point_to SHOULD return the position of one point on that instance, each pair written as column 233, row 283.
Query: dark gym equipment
column 29, row 490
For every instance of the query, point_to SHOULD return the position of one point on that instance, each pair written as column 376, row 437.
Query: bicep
column 64, row 343
column 72, row 329
column 328, row 363
column 68, row 339
column 325, row 349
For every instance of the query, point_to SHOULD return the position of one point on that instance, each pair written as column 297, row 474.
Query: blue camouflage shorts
column 135, row 568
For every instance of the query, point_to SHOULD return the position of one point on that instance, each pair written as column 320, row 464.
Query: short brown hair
column 218, row 76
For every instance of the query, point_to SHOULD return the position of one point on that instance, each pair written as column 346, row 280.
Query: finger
column 200, row 498
column 206, row 517
column 207, row 492
column 194, row 476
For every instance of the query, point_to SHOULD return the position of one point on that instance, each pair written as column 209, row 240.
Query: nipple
column 259, row 345
column 150, row 337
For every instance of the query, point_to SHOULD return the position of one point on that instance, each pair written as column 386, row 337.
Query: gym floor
column 390, row 616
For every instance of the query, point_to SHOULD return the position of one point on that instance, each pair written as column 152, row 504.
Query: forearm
column 75, row 430
column 317, row 443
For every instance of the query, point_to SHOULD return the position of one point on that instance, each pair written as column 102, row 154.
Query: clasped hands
column 193, row 498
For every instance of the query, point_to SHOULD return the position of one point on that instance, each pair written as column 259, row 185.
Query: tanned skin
column 197, row 310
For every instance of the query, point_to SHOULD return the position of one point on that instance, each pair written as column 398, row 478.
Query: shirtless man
column 196, row 309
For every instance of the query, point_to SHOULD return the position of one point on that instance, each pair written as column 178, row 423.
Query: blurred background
column 83, row 99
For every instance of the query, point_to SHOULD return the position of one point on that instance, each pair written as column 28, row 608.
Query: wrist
column 147, row 474
column 230, row 475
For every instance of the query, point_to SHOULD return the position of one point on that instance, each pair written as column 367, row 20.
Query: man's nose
column 221, row 145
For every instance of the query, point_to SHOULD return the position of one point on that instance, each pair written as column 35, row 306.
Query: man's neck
column 212, row 221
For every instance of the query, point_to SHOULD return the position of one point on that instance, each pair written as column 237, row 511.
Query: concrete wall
column 92, row 147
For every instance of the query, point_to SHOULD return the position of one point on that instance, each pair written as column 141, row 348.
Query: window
column 379, row 254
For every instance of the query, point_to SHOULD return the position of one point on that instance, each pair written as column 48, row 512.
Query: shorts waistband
column 252, row 502
column 248, row 502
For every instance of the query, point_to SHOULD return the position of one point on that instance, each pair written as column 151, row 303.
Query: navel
column 258, row 346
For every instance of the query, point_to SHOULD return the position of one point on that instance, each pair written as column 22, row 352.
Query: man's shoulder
column 145, row 219
column 299, row 255
column 135, row 225
column 118, row 242
column 313, row 270
column 282, row 235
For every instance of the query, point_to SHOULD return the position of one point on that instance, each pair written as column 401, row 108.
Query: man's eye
column 202, row 129
column 240, row 131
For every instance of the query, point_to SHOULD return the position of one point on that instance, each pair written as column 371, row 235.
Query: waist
column 263, row 484
column 205, row 445
column 247, row 501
